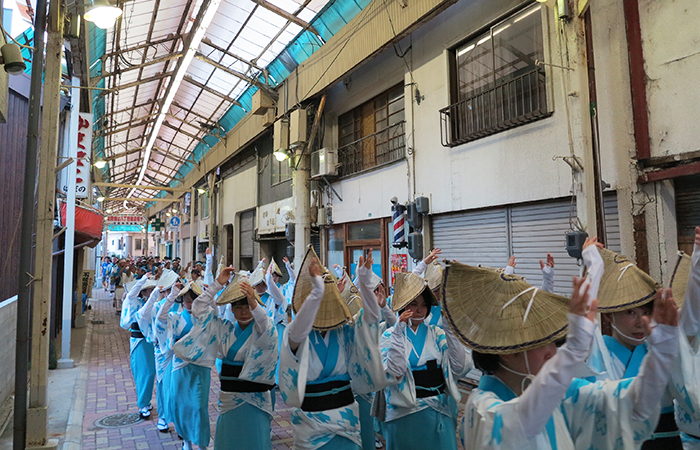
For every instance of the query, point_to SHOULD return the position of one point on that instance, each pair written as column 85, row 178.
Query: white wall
column 238, row 193
column 8, row 329
column 670, row 35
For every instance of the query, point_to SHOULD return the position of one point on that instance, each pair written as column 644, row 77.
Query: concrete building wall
column 8, row 330
column 238, row 193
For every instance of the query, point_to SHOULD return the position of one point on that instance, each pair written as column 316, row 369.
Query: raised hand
column 341, row 284
column 550, row 262
column 314, row 268
column 511, row 261
column 380, row 293
column 249, row 292
column 579, row 300
column 697, row 236
column 405, row 316
column 433, row 255
column 285, row 260
column 208, row 251
column 225, row 275
column 665, row 309
column 592, row 241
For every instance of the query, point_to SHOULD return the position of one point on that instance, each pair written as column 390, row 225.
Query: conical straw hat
column 433, row 275
column 233, row 292
column 623, row 285
column 680, row 277
column 257, row 277
column 148, row 284
column 275, row 267
column 191, row 286
column 351, row 297
column 407, row 287
column 333, row 311
column 492, row 312
column 167, row 279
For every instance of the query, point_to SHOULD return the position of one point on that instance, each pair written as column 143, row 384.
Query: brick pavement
column 110, row 390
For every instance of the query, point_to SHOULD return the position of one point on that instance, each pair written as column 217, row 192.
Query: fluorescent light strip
column 175, row 85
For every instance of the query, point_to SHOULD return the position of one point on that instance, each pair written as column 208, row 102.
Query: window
column 373, row 133
column 280, row 170
column 498, row 84
column 137, row 244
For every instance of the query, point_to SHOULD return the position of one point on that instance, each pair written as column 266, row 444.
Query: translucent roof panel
column 141, row 55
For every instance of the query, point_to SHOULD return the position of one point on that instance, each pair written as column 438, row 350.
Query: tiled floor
column 110, row 390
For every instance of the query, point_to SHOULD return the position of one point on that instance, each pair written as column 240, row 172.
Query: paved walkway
column 110, row 390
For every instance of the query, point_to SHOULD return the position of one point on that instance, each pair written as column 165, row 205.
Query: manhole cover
column 118, row 420
column 98, row 322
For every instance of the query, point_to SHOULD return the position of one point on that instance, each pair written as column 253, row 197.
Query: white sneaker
column 186, row 445
column 145, row 412
column 162, row 425
column 377, row 443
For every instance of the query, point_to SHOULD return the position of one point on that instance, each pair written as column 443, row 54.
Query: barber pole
column 399, row 233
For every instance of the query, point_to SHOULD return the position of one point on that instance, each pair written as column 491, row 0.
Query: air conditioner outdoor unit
column 324, row 162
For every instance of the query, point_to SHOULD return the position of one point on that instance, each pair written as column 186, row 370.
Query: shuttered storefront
column 247, row 234
column 528, row 231
column 687, row 210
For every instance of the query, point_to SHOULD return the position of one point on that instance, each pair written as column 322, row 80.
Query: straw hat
column 233, row 293
column 258, row 276
column 191, row 286
column 351, row 296
column 407, row 287
column 167, row 279
column 492, row 312
column 680, row 277
column 220, row 267
column 275, row 268
column 433, row 275
column 623, row 285
column 333, row 311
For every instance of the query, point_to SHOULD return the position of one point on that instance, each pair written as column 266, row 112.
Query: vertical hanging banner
column 84, row 142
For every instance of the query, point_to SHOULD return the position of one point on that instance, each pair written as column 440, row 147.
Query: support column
column 68, row 255
column 46, row 200
column 300, row 185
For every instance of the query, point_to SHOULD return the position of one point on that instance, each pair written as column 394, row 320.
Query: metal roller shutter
column 247, row 231
column 612, row 222
column 473, row 237
column 687, row 210
column 538, row 229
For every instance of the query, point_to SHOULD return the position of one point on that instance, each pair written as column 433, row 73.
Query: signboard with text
column 84, row 142
column 125, row 219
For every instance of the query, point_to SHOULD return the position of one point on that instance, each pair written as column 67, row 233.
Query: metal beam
column 194, row 113
column 180, row 130
column 292, row 18
column 156, row 77
column 142, row 46
column 140, row 66
column 147, row 103
column 226, row 52
column 667, row 174
column 187, row 150
column 131, row 124
column 235, row 73
column 153, row 188
column 206, row 88
column 130, row 151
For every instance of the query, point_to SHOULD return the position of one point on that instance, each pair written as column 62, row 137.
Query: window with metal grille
column 373, row 134
column 498, row 84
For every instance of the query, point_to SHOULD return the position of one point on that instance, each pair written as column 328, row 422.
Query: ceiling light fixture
column 100, row 164
column 11, row 58
column 174, row 85
column 102, row 14
column 201, row 191
column 100, row 199
column 281, row 154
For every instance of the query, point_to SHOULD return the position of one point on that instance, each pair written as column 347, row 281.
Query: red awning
column 88, row 221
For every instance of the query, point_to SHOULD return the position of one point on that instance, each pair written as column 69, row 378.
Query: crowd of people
column 356, row 359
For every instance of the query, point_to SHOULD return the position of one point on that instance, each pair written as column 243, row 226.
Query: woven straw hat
column 258, row 276
column 623, row 285
column 433, row 275
column 275, row 268
column 351, row 297
column 147, row 285
column 191, row 286
column 407, row 287
column 167, row 279
column 680, row 277
column 495, row 313
column 233, row 293
column 333, row 311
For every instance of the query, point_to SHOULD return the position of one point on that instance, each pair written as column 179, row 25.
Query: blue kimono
column 249, row 358
column 140, row 349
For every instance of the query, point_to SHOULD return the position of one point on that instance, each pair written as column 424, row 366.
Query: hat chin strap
column 638, row 341
column 244, row 322
column 416, row 321
column 526, row 376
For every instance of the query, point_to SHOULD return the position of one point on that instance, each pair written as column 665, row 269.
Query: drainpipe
column 26, row 268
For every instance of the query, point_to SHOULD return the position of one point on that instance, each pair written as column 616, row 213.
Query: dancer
column 141, row 351
column 250, row 351
column 323, row 356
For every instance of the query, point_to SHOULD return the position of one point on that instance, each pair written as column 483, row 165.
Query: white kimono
column 558, row 414
column 358, row 358
column 130, row 307
column 212, row 337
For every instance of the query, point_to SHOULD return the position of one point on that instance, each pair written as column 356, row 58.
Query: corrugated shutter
column 538, row 229
column 473, row 237
column 687, row 205
column 316, row 242
column 612, row 222
column 247, row 233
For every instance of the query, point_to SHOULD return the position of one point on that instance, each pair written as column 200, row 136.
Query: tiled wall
column 8, row 327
